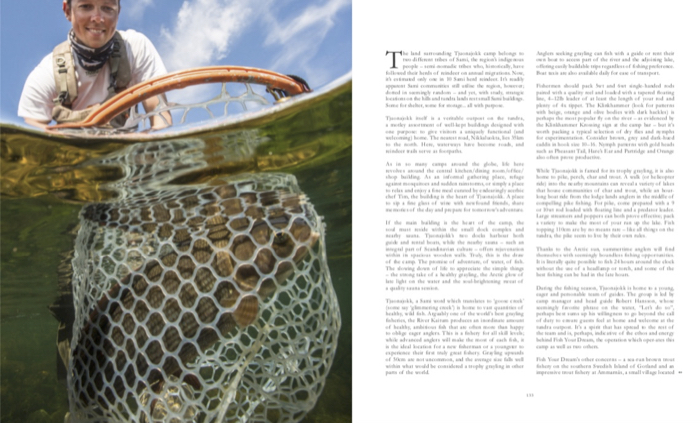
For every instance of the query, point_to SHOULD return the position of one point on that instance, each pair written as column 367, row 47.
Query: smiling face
column 94, row 21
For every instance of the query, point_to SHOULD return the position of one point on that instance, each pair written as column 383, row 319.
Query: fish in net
column 208, row 303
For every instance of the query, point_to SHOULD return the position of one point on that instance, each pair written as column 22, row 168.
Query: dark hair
column 118, row 3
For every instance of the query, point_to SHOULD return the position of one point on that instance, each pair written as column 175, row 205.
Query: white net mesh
column 190, row 108
column 202, row 103
column 204, row 304
column 146, row 167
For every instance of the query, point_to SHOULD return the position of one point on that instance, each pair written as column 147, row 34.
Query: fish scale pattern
column 202, row 304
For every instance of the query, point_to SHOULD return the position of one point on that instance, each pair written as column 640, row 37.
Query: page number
column 530, row 395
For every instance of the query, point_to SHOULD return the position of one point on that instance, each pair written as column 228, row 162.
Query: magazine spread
column 525, row 212
column 488, row 215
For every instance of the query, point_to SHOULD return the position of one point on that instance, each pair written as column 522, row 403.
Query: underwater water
column 47, row 179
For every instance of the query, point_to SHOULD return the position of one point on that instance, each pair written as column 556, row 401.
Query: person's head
column 94, row 21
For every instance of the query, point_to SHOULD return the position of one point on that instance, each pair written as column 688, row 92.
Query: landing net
column 189, row 99
column 202, row 304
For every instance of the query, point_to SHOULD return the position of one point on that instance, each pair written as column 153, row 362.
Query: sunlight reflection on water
column 46, row 180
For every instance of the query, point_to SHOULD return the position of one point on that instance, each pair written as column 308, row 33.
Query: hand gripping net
column 202, row 304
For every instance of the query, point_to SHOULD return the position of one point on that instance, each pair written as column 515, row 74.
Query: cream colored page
column 524, row 212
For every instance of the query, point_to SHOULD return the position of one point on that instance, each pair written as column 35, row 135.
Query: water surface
column 47, row 179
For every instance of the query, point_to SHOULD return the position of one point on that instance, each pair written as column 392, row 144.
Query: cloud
column 301, row 36
column 136, row 9
column 205, row 31
column 314, row 20
column 282, row 35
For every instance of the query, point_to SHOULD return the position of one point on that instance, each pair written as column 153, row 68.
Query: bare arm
column 162, row 120
column 41, row 124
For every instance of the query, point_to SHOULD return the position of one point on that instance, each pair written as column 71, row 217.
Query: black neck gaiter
column 91, row 59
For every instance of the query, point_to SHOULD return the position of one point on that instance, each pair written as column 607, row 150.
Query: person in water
column 95, row 63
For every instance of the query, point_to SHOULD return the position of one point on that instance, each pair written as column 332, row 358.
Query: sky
column 308, row 38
